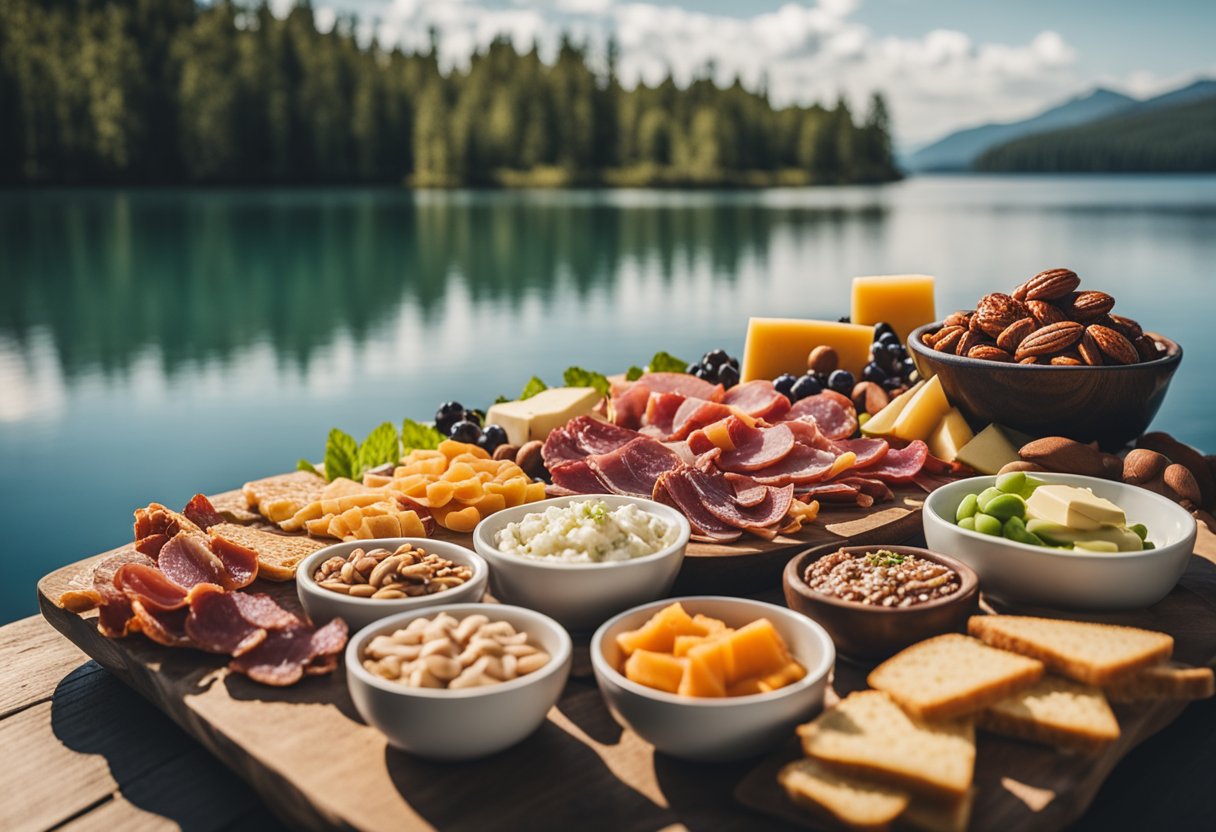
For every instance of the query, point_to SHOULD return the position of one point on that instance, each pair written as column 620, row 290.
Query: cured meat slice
column 150, row 587
column 868, row 451
column 801, row 465
column 163, row 627
column 683, row 384
column 578, row 477
column 898, row 465
column 155, row 525
column 756, row 448
column 748, row 492
column 261, row 610
column 661, row 411
column 864, row 492
column 187, row 560
column 115, row 618
column 83, row 600
column 833, row 413
column 200, row 512
column 718, row 496
column 758, row 398
column 240, row 560
column 629, row 405
column 215, row 623
column 807, row 433
column 582, row 437
column 675, row 490
column 694, row 414
column 286, row 655
column 634, row 468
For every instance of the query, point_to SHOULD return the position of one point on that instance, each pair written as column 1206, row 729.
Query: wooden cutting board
column 1027, row 786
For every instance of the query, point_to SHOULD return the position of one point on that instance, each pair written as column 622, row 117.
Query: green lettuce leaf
column 633, row 373
column 341, row 456
column 380, row 446
column 578, row 377
column 417, row 435
column 665, row 362
column 534, row 386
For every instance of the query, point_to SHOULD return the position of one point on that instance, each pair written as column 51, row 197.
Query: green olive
column 966, row 508
column 1012, row 483
column 987, row 524
column 967, row 523
column 987, row 495
column 1006, row 506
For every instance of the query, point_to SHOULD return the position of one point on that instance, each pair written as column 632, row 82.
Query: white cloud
column 807, row 51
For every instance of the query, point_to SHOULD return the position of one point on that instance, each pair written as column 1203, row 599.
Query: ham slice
column 683, row 384
column 756, row 448
column 634, row 468
column 718, row 496
column 675, row 490
column 588, row 456
column 578, row 477
column 832, row 413
column 800, row 466
column 900, row 465
column 286, row 656
column 583, row 437
column 758, row 398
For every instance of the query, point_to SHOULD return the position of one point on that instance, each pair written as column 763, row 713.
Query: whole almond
column 970, row 340
column 1142, row 465
column 960, row 318
column 1087, row 307
column 1113, row 345
column 1130, row 329
column 1045, row 313
column 1013, row 335
column 869, row 397
column 948, row 339
column 506, row 451
column 1030, row 359
column 1146, row 348
column 934, row 337
column 1090, row 353
column 1067, row 360
column 1183, row 454
column 1178, row 479
column 1052, row 284
column 823, row 359
column 1113, row 466
column 1057, row 453
column 987, row 352
column 1050, row 339
column 997, row 311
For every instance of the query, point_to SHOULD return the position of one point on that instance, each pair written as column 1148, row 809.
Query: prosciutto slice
column 900, row 465
column 629, row 406
column 634, row 468
column 675, row 490
column 583, row 437
column 284, row 657
column 832, row 413
column 758, row 398
column 718, row 496
column 578, row 477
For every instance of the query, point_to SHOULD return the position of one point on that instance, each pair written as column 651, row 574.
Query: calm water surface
column 156, row 344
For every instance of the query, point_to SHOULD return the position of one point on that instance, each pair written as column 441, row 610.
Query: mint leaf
column 305, row 465
column 501, row 398
column 534, row 386
column 380, row 446
column 665, row 362
column 578, row 377
column 633, row 373
column 417, row 435
column 341, row 456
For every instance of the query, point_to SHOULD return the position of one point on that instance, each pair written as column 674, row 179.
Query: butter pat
column 988, row 452
column 1074, row 508
column 950, row 436
column 536, row 417
column 905, row 301
column 781, row 345
column 921, row 415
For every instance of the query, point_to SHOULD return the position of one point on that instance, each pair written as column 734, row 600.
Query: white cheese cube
column 536, row 417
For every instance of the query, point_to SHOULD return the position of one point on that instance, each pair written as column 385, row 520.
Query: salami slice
column 801, row 465
column 215, row 623
column 686, row 385
column 833, row 414
column 758, row 398
column 900, row 465
column 756, row 448
column 868, row 451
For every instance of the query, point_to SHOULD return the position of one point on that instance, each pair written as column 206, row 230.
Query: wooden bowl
column 1110, row 404
column 867, row 633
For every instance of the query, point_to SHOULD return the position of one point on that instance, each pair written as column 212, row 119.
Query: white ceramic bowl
column 712, row 729
column 1020, row 573
column 467, row 723
column 323, row 604
column 580, row 595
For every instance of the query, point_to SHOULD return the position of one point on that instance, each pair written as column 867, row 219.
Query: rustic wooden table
column 81, row 750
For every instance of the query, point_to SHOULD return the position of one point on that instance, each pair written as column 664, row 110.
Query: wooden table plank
column 32, row 661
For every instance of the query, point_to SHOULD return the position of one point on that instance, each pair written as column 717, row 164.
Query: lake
column 156, row 344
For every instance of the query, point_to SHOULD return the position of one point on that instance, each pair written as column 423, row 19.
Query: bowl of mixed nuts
column 1050, row 358
column 365, row 580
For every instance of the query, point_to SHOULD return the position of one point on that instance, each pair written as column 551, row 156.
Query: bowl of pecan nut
column 1050, row 358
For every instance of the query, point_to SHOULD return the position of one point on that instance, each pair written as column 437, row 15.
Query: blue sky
column 943, row 64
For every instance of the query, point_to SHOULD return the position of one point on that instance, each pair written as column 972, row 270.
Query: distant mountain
column 1155, row 136
column 959, row 150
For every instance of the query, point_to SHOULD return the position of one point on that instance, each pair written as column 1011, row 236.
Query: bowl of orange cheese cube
column 712, row 678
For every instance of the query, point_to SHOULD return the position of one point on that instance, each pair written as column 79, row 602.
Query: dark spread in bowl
column 881, row 578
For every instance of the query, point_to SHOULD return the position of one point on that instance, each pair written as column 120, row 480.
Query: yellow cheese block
column 781, row 345
column 923, row 413
column 905, row 301
column 1076, row 508
column 988, row 452
column 536, row 417
column 951, row 434
column 882, row 422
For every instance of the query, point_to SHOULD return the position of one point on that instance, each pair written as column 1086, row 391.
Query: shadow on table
column 155, row 764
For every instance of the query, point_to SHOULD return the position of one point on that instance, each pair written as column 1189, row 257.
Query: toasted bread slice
column 868, row 735
column 852, row 801
column 938, row 815
column 278, row 498
column 1096, row 654
column 1166, row 681
column 1055, row 711
column 953, row 675
column 278, row 554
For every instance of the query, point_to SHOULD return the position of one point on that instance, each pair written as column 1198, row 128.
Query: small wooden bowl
column 867, row 633
column 1112, row 404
